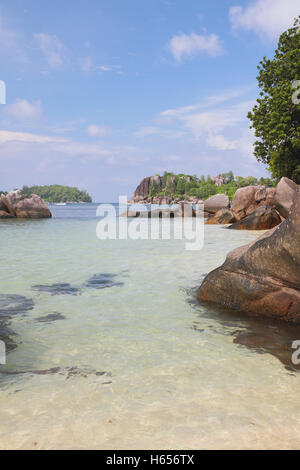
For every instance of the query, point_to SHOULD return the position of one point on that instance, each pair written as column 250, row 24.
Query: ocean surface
column 109, row 349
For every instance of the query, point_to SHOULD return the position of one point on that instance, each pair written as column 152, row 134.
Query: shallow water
column 126, row 358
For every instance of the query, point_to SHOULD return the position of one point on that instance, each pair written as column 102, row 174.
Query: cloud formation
column 23, row 110
column 98, row 131
column 183, row 46
column 267, row 18
column 52, row 49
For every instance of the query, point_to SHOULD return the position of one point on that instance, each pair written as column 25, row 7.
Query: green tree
column 276, row 117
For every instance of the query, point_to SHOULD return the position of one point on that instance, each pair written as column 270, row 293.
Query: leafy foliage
column 182, row 186
column 275, row 117
column 57, row 193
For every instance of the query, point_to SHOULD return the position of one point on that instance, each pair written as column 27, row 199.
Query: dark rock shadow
column 58, row 289
column 51, row 317
column 11, row 305
column 66, row 372
column 103, row 281
column 262, row 335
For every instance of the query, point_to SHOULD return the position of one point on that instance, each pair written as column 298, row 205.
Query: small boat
column 60, row 204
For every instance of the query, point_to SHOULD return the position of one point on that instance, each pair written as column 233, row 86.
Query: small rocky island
column 16, row 205
column 253, row 207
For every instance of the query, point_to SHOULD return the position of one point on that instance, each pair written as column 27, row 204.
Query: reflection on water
column 262, row 335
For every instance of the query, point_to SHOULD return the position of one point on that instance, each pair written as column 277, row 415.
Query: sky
column 101, row 93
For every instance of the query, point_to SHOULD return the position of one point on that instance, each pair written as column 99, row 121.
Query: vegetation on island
column 182, row 186
column 57, row 193
column 276, row 116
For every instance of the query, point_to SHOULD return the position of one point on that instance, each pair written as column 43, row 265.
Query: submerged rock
column 262, row 278
column 57, row 289
column 11, row 305
column 51, row 317
column 263, row 218
column 103, row 281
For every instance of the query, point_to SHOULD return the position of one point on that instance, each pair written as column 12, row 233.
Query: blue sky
column 101, row 93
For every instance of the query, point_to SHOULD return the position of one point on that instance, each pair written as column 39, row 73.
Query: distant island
column 57, row 193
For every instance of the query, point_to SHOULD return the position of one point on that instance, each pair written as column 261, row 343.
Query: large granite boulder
column 263, row 218
column 247, row 200
column 32, row 208
column 244, row 199
column 16, row 204
column 284, row 196
column 262, row 278
column 7, row 206
column 222, row 217
column 216, row 202
column 14, row 197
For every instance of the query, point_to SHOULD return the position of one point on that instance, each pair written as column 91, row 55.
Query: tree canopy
column 57, row 193
column 182, row 186
column 276, row 115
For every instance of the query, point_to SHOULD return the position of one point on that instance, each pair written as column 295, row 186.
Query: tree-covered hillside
column 57, row 193
column 181, row 186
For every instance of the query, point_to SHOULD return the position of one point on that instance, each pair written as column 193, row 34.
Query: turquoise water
column 139, row 363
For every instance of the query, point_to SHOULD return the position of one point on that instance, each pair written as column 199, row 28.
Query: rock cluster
column 255, row 207
column 15, row 204
column 263, row 277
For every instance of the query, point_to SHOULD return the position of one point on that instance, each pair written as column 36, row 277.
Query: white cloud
column 52, row 48
column 156, row 130
column 186, row 46
column 24, row 110
column 8, row 136
column 98, row 131
column 269, row 18
column 104, row 68
column 87, row 64
column 219, row 142
column 217, row 123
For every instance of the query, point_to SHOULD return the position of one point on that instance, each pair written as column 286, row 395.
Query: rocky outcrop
column 262, row 278
column 143, row 188
column 215, row 203
column 284, row 196
column 15, row 204
column 5, row 215
column 222, row 217
column 33, row 208
column 263, row 218
column 247, row 200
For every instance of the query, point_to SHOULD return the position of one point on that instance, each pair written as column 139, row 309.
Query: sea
column 107, row 346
